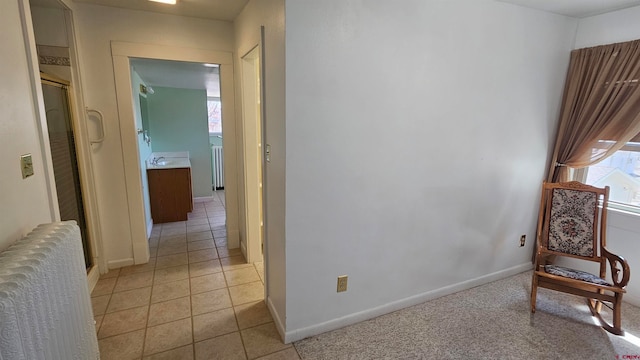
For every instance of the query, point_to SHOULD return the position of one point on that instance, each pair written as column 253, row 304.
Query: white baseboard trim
column 116, row 264
column 141, row 252
column 631, row 299
column 233, row 238
column 277, row 320
column 299, row 334
column 92, row 277
column 243, row 249
column 202, row 199
column 149, row 229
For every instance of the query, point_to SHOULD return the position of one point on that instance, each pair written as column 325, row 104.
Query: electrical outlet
column 26, row 165
column 342, row 283
column 523, row 238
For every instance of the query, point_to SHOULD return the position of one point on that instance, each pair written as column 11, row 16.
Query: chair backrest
column 572, row 220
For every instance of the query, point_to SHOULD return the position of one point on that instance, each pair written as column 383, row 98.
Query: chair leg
column 534, row 292
column 599, row 303
column 617, row 325
column 596, row 305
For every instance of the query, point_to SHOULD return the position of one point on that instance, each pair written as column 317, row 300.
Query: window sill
column 624, row 217
column 630, row 210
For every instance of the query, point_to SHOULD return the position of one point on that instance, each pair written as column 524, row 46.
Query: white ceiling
column 226, row 10
column 576, row 8
column 178, row 74
column 196, row 76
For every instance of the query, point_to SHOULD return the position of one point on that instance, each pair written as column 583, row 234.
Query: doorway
column 252, row 244
column 122, row 54
column 54, row 17
column 178, row 109
column 62, row 142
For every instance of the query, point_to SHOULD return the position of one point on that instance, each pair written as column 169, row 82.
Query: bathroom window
column 214, row 107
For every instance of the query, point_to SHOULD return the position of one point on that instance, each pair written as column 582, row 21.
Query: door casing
column 252, row 117
column 121, row 54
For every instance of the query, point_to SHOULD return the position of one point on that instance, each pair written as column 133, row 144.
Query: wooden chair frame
column 596, row 294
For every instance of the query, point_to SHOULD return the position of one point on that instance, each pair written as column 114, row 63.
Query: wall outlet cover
column 342, row 283
column 26, row 165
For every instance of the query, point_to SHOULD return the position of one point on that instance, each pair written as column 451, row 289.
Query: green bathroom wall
column 178, row 122
column 215, row 140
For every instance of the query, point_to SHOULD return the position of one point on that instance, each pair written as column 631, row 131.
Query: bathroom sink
column 168, row 163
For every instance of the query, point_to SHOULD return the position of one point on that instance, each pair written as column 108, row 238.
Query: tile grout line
column 144, row 338
column 193, row 330
column 153, row 284
column 189, row 277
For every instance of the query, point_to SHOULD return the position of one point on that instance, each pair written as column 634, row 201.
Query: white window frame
column 210, row 98
column 581, row 175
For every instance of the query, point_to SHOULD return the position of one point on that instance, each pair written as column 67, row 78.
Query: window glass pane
column 621, row 172
column 214, row 107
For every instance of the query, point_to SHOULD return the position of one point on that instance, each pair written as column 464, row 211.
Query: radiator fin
column 45, row 305
column 217, row 164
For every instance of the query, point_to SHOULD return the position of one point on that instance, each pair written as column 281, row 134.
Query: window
column 214, row 107
column 621, row 172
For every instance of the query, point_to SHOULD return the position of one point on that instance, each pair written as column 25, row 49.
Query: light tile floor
column 195, row 299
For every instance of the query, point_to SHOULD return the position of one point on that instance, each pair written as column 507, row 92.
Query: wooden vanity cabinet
column 170, row 194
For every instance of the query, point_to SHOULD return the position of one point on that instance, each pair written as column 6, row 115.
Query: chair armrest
column 618, row 264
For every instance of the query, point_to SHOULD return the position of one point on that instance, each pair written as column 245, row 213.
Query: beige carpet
column 492, row 321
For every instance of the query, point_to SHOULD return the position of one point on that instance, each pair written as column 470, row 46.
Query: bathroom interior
column 179, row 125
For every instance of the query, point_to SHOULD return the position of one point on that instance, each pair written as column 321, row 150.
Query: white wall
column 269, row 13
column 97, row 27
column 623, row 228
column 48, row 26
column 466, row 95
column 622, row 239
column 24, row 202
column 50, row 29
column 613, row 27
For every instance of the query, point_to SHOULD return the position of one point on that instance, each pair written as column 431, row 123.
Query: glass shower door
column 63, row 154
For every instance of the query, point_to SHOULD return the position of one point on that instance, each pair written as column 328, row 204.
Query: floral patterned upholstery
column 571, row 222
column 575, row 274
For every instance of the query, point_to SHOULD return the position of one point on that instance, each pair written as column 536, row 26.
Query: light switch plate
column 26, row 164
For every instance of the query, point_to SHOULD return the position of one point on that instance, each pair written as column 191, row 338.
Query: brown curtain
column 600, row 107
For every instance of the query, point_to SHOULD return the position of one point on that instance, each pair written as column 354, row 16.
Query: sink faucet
column 155, row 160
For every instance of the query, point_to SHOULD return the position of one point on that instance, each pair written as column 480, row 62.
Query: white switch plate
column 26, row 164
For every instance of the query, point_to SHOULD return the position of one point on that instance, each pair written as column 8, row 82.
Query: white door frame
column 121, row 53
column 253, row 163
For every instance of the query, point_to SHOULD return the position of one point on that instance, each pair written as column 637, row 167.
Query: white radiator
column 45, row 305
column 218, row 167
